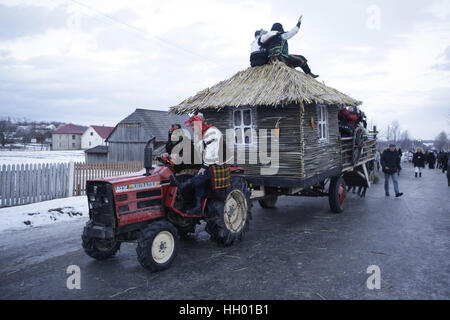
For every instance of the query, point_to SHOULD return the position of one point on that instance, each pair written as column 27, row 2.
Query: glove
column 299, row 21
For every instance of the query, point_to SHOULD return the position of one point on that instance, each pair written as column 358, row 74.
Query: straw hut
column 302, row 110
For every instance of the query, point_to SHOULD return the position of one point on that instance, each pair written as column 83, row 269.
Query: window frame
column 322, row 123
column 242, row 127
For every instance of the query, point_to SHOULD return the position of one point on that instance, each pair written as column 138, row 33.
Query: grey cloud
column 19, row 21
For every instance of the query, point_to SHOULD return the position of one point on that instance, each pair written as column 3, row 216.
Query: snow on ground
column 43, row 213
column 19, row 157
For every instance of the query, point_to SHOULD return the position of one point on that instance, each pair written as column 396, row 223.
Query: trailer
column 278, row 103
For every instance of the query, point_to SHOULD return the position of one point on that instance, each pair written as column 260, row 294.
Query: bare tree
column 441, row 141
column 393, row 132
column 7, row 130
column 405, row 141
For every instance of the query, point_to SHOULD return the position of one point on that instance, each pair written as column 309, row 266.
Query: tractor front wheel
column 99, row 249
column 157, row 245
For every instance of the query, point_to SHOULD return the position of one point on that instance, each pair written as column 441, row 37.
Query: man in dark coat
column 445, row 166
column 390, row 163
column 431, row 160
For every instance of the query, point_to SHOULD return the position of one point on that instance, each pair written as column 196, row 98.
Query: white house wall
column 91, row 139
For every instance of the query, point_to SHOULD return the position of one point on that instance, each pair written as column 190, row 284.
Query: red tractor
column 149, row 210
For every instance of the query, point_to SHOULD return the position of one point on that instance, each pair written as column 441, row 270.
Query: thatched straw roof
column 274, row 84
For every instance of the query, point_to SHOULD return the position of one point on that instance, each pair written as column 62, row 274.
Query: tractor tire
column 268, row 202
column 98, row 248
column 336, row 194
column 227, row 221
column 157, row 245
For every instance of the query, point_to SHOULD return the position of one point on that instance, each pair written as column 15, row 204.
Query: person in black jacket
column 446, row 165
column 171, row 143
column 390, row 163
column 431, row 160
column 418, row 161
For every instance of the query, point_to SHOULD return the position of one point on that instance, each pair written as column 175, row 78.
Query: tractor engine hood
column 133, row 182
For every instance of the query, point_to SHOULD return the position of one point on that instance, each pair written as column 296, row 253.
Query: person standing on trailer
column 390, row 163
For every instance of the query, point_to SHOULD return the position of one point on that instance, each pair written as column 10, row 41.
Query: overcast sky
column 96, row 61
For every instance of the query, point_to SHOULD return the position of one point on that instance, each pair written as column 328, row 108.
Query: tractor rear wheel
column 157, row 245
column 336, row 194
column 99, row 249
column 227, row 221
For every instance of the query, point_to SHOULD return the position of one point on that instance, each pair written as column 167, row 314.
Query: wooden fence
column 88, row 171
column 29, row 183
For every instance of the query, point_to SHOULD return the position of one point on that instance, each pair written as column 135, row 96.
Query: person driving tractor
column 172, row 141
column 209, row 141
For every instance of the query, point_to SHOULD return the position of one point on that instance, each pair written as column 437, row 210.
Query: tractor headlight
column 105, row 200
column 92, row 198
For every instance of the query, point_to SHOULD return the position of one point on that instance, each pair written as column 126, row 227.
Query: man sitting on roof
column 258, row 55
column 211, row 146
column 276, row 43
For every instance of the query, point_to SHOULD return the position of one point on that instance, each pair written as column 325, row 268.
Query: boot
column 307, row 70
column 197, row 209
column 175, row 182
column 416, row 174
column 420, row 174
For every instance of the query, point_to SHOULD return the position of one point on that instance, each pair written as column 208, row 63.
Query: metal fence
column 28, row 183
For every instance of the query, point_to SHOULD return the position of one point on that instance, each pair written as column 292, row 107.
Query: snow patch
column 43, row 213
column 30, row 157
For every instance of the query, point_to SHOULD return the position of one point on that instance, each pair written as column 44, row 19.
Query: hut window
column 242, row 123
column 323, row 123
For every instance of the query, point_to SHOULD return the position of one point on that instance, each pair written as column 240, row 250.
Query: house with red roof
column 67, row 137
column 95, row 136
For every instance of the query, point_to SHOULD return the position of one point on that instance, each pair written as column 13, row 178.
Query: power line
column 140, row 31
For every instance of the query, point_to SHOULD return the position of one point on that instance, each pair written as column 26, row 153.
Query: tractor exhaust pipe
column 148, row 156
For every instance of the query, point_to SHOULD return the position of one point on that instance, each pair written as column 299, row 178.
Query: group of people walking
column 391, row 165
column 422, row 158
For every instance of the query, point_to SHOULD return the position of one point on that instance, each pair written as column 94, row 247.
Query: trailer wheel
column 227, row 221
column 358, row 142
column 98, row 248
column 268, row 202
column 157, row 245
column 336, row 194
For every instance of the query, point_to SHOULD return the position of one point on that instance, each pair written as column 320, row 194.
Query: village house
column 95, row 136
column 67, row 137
